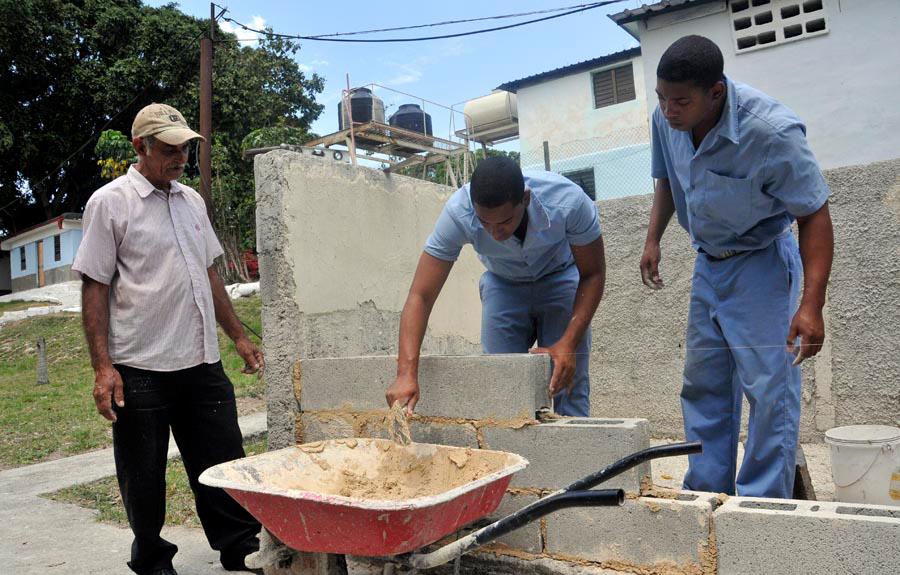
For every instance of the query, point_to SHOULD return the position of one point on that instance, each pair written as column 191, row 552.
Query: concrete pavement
column 39, row 536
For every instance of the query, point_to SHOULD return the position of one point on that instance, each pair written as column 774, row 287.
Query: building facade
column 43, row 254
column 588, row 121
column 834, row 62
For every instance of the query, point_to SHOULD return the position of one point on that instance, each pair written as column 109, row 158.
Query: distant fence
column 614, row 165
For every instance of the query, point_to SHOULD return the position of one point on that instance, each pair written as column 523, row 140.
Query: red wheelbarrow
column 376, row 498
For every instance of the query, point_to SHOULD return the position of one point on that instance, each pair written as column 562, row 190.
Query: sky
column 445, row 72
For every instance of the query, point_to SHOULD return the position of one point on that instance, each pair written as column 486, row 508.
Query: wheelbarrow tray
column 366, row 497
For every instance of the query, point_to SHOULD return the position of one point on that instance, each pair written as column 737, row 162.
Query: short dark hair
column 692, row 59
column 496, row 181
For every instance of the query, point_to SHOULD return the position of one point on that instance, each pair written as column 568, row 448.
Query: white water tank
column 492, row 118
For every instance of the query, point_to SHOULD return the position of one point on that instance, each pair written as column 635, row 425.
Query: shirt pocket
column 728, row 201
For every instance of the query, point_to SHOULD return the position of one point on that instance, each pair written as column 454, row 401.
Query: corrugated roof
column 515, row 85
column 648, row 10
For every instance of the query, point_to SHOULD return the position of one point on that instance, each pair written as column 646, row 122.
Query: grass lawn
column 103, row 495
column 44, row 422
column 6, row 306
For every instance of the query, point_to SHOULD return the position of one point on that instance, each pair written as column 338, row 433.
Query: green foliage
column 71, row 69
column 275, row 136
column 114, row 152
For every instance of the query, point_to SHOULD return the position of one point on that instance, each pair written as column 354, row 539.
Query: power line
column 332, row 38
column 449, row 22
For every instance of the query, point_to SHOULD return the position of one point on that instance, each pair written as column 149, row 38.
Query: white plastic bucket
column 865, row 463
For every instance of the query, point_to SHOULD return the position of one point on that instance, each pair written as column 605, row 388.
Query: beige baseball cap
column 164, row 123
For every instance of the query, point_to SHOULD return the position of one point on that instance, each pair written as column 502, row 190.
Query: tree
column 114, row 153
column 72, row 70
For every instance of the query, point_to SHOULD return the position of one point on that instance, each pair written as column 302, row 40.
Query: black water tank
column 411, row 117
column 365, row 107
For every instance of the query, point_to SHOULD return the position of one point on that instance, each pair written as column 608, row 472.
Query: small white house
column 593, row 117
column 43, row 254
column 836, row 63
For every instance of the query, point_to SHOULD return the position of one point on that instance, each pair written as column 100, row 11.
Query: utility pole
column 206, row 70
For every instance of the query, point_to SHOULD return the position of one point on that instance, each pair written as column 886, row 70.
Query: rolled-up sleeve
column 792, row 173
column 97, row 254
column 582, row 222
column 447, row 239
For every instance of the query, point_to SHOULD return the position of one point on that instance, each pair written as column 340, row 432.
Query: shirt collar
column 728, row 125
column 537, row 215
column 143, row 186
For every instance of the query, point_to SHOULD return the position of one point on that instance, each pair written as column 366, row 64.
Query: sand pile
column 383, row 470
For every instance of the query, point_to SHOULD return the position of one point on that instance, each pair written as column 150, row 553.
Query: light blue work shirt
column 560, row 214
column 752, row 175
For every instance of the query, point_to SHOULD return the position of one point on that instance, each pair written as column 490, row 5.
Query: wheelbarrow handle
column 528, row 514
column 578, row 494
column 547, row 505
column 634, row 460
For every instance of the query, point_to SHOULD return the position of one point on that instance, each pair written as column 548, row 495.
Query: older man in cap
column 150, row 301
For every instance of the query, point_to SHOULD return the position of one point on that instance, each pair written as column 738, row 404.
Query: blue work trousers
column 740, row 312
column 516, row 314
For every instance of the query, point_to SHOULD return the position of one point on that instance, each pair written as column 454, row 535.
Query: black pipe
column 634, row 460
column 587, row 498
column 578, row 494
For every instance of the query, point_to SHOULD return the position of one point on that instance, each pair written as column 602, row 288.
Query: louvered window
column 613, row 86
column 585, row 180
column 762, row 23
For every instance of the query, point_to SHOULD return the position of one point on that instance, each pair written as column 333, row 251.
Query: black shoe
column 165, row 571
column 234, row 559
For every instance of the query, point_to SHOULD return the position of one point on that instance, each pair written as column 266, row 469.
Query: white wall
column 355, row 236
column 30, row 260
column 562, row 110
column 70, row 240
column 843, row 84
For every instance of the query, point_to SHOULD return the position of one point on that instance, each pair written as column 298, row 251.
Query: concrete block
column 791, row 537
column 645, row 532
column 567, row 449
column 468, row 387
column 457, row 435
column 316, row 427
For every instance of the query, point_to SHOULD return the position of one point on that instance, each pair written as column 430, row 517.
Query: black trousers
column 198, row 405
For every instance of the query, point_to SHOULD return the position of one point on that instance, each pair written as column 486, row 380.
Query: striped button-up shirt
column 153, row 249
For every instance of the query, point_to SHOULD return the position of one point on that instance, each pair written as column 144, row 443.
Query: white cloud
column 312, row 66
column 408, row 73
column 245, row 36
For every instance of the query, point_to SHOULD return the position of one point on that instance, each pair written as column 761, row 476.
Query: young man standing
column 735, row 166
column 538, row 235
